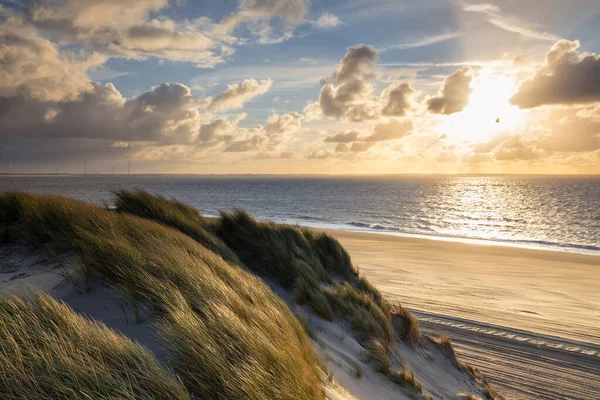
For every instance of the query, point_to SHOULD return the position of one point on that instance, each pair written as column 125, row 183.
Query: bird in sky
column 497, row 120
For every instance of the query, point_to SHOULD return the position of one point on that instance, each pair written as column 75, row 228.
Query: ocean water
column 560, row 213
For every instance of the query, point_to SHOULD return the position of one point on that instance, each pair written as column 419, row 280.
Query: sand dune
column 23, row 269
column 529, row 319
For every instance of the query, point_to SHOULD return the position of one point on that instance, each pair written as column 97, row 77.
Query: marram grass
column 229, row 335
column 49, row 352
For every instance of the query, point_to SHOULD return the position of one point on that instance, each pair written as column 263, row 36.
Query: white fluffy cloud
column 567, row 77
column 235, row 139
column 351, row 84
column 397, row 99
column 237, row 94
column 454, row 94
column 167, row 113
column 256, row 14
column 123, row 29
column 33, row 67
column 328, row 20
column 349, row 92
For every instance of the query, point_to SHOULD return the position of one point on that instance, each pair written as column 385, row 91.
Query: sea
column 551, row 212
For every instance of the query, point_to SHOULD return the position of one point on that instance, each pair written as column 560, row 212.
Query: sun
column 489, row 111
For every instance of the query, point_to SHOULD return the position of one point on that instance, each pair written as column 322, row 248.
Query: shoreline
column 325, row 226
column 543, row 291
column 510, row 312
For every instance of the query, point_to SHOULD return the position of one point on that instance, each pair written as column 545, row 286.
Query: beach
column 528, row 318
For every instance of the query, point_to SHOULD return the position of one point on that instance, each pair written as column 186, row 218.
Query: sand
column 23, row 269
column 530, row 319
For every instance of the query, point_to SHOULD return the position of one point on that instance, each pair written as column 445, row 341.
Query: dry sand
column 529, row 319
column 23, row 269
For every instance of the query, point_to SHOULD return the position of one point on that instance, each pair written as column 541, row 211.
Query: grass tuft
column 173, row 213
column 49, row 352
column 406, row 325
column 378, row 355
column 368, row 319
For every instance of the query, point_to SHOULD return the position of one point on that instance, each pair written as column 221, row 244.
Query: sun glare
column 489, row 111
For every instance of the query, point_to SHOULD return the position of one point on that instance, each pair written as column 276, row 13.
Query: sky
column 300, row 86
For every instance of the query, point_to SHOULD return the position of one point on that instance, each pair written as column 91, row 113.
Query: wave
column 378, row 227
column 428, row 233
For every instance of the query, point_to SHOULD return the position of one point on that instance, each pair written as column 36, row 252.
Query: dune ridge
column 197, row 286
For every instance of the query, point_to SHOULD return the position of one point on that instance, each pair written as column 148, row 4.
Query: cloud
column 351, row 85
column 341, row 148
column 360, row 147
column 123, row 29
column 397, row 99
column 517, row 149
column 426, row 41
column 278, row 125
column 483, row 7
column 328, row 20
column 348, row 93
column 32, row 66
column 577, row 131
column 253, row 143
column 354, row 142
column 566, row 130
column 94, row 13
column 509, row 23
column 218, row 130
column 567, row 77
column 256, row 14
column 237, row 94
column 167, row 113
column 257, row 138
column 394, row 129
column 454, row 94
column 345, row 137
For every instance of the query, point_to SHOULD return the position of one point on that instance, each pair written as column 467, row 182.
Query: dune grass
column 313, row 265
column 369, row 319
column 49, row 352
column 174, row 213
column 406, row 325
column 230, row 336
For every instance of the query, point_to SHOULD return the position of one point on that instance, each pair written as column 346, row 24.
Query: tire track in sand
column 522, row 364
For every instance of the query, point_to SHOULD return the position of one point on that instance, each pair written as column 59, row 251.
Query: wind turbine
column 85, row 167
column 129, row 168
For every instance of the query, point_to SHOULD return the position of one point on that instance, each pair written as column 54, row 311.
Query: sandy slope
column 22, row 269
column 530, row 319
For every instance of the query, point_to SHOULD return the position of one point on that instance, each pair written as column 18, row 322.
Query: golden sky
column 294, row 86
